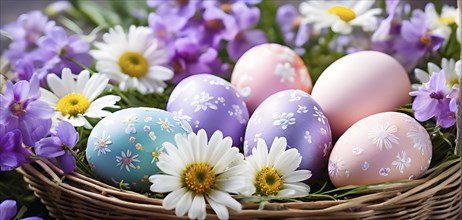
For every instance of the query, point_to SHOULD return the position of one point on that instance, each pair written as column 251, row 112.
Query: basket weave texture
column 437, row 196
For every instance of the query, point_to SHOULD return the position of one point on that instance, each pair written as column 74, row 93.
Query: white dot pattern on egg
column 123, row 148
column 380, row 148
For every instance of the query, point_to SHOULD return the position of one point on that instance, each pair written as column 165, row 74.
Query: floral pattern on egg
column 208, row 102
column 123, row 147
column 292, row 114
column 383, row 147
column 269, row 64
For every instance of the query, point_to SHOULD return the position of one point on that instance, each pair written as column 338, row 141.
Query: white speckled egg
column 123, row 148
column 292, row 114
column 211, row 103
column 383, row 147
column 358, row 85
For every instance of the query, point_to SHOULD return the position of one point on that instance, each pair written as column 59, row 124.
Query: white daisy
column 340, row 16
column 133, row 59
column 439, row 24
column 451, row 68
column 275, row 173
column 382, row 135
column 74, row 97
column 199, row 171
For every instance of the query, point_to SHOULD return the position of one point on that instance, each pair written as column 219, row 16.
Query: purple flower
column 27, row 68
column 432, row 100
column 60, row 51
column 20, row 109
column 8, row 211
column 416, row 40
column 217, row 26
column 245, row 39
column 166, row 29
column 295, row 31
column 25, row 32
column 59, row 145
column 12, row 154
column 191, row 57
column 183, row 8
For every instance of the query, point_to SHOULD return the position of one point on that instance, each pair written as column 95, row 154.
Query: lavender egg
column 292, row 114
column 210, row 103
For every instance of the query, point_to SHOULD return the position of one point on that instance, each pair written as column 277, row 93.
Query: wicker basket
column 437, row 196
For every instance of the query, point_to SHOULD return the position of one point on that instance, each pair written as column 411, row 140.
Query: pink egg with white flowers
column 266, row 69
column 384, row 147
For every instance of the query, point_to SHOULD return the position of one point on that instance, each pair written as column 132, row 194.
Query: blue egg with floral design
column 123, row 148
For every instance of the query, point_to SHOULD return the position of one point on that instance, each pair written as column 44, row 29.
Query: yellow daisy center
column 447, row 20
column 268, row 181
column 133, row 64
column 73, row 104
column 343, row 13
column 452, row 82
column 198, row 177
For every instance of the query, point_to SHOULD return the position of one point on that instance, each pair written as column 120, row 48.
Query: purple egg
column 210, row 103
column 292, row 114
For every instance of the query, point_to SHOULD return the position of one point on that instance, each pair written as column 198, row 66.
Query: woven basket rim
column 109, row 196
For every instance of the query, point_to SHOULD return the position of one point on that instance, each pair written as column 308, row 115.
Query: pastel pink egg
column 358, row 85
column 266, row 69
column 384, row 147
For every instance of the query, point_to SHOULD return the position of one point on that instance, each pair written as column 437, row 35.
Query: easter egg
column 292, row 114
column 358, row 85
column 383, row 147
column 123, row 148
column 210, row 103
column 266, row 69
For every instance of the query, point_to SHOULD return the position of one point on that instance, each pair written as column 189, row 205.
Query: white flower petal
column 197, row 209
column 48, row 97
column 220, row 210
column 67, row 79
column 82, row 80
column 288, row 162
column 172, row 199
column 104, row 102
column 297, row 176
column 76, row 121
column 95, row 86
column 56, row 86
column 164, row 183
column 277, row 148
column 225, row 199
column 184, row 204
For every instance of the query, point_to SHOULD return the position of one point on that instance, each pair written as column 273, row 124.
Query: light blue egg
column 123, row 148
